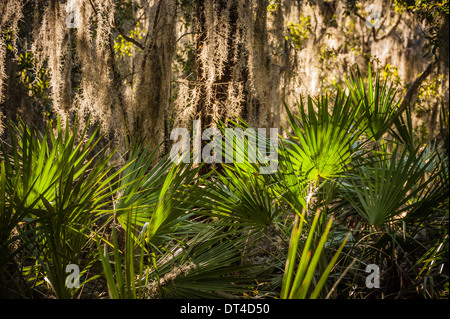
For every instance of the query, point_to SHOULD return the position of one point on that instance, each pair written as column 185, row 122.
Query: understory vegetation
column 353, row 189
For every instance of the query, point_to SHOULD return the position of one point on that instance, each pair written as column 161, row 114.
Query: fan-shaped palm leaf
column 379, row 106
column 322, row 142
column 59, row 184
column 385, row 186
column 140, row 185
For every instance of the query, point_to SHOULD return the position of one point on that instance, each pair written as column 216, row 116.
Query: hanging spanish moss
column 154, row 74
column 10, row 14
column 139, row 68
column 236, row 75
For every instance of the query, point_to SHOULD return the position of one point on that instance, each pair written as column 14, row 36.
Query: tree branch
column 185, row 34
column 127, row 38
column 414, row 86
column 388, row 32
column 412, row 91
column 93, row 7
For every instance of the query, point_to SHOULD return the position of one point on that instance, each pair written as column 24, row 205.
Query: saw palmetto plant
column 300, row 283
column 56, row 184
column 387, row 184
column 378, row 103
column 140, row 226
column 324, row 136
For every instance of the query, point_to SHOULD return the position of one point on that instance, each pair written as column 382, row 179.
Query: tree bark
column 413, row 87
column 153, row 91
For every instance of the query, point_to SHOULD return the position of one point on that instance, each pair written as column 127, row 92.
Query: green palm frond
column 377, row 102
column 171, row 210
column 403, row 130
column 290, row 185
column 206, row 266
column 203, row 265
column 436, row 193
column 36, row 163
column 13, row 210
column 128, row 280
column 302, row 282
column 58, row 184
column 322, row 143
column 235, row 195
column 238, row 191
column 252, row 151
column 386, row 186
column 140, row 185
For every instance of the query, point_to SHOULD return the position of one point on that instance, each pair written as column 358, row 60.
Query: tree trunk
column 153, row 92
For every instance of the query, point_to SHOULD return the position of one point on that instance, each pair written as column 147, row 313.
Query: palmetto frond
column 58, row 184
column 324, row 140
column 385, row 186
column 377, row 103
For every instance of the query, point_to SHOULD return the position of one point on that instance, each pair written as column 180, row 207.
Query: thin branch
column 187, row 33
column 414, row 86
column 127, row 38
column 93, row 7
column 412, row 91
column 119, row 30
column 340, row 278
column 387, row 33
